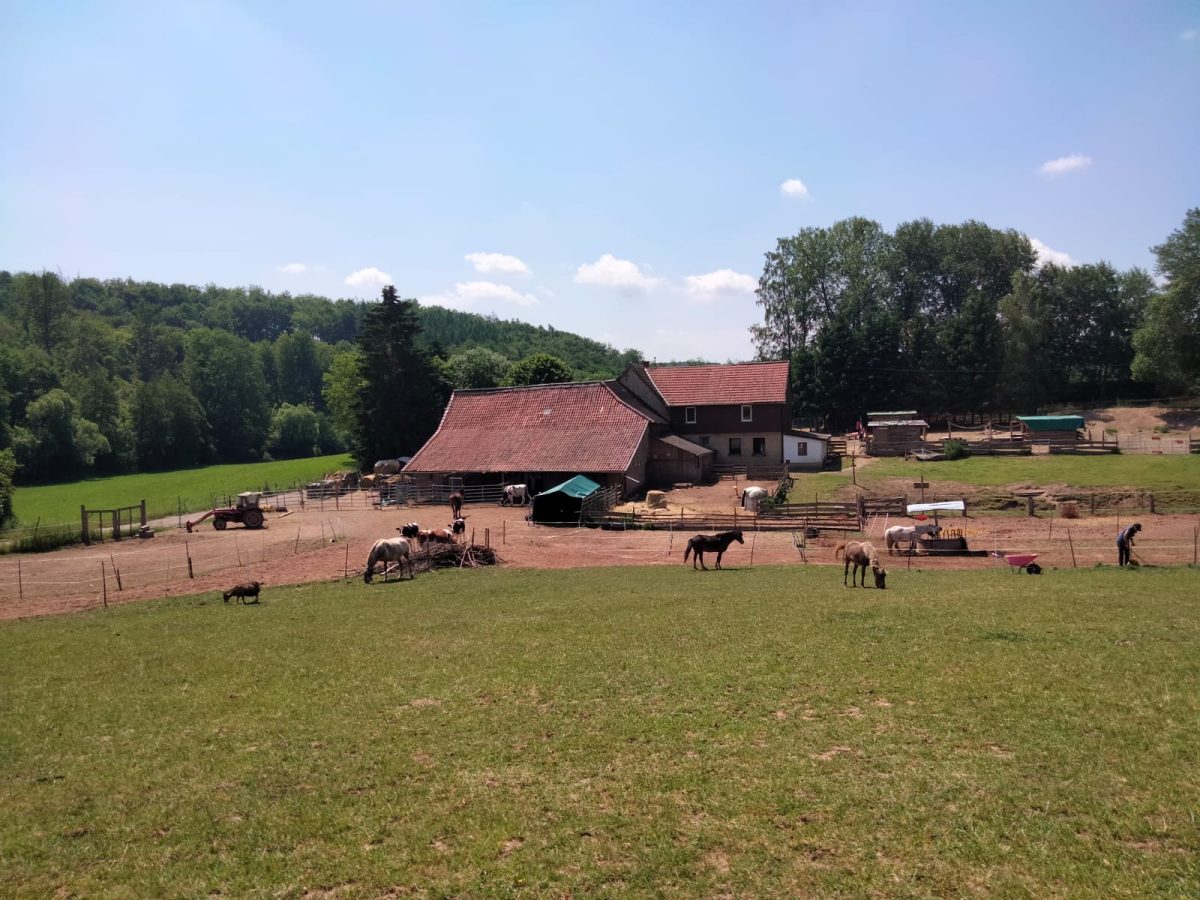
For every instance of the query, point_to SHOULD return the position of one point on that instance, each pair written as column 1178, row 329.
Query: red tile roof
column 548, row 428
column 765, row 382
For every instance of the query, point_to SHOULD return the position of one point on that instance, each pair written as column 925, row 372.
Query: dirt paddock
column 325, row 545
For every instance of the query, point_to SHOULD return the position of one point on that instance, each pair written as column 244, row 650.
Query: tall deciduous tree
column 401, row 394
column 540, row 368
column 42, row 300
column 1167, row 343
column 223, row 373
column 477, row 367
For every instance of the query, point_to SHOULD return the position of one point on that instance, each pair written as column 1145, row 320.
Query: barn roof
column 685, row 445
column 543, row 428
column 765, row 382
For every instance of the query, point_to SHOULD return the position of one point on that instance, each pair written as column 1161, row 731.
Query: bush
column 1068, row 509
column 954, row 449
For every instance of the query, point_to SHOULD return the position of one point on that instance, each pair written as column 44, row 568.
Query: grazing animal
column 515, row 495
column 861, row 554
column 243, row 591
column 752, row 497
column 389, row 550
column 410, row 530
column 456, row 502
column 900, row 534
column 710, row 543
column 458, row 526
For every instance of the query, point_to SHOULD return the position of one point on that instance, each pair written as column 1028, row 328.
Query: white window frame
column 747, row 412
column 689, row 415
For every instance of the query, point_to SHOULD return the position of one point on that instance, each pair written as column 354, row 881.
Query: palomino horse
column 389, row 550
column 456, row 502
column 711, row 543
column 901, row 534
column 861, row 554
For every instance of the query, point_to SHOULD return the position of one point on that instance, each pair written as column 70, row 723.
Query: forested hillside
column 101, row 377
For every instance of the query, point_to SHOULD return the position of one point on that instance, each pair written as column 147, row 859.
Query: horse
column 437, row 536
column 243, row 591
column 410, row 530
column 861, row 554
column 389, row 550
column 752, row 497
column 514, row 495
column 711, row 543
column 456, row 502
column 899, row 534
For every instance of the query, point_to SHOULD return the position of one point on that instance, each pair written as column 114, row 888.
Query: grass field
column 56, row 503
column 612, row 732
column 1135, row 471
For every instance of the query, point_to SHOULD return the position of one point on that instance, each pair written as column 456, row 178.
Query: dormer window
column 689, row 415
column 747, row 413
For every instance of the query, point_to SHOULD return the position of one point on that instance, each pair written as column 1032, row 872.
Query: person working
column 1125, row 542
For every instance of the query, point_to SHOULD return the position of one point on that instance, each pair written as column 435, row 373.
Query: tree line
column 963, row 318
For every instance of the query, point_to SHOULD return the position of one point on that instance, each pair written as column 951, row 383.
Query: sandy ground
column 329, row 545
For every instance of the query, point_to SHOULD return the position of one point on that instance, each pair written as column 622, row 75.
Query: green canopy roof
column 1051, row 423
column 578, row 487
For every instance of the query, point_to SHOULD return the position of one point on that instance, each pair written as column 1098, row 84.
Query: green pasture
column 1111, row 471
column 613, row 732
column 163, row 491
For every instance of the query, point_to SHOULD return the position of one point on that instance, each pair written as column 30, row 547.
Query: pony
column 389, row 550
column 243, row 591
column 861, row 554
column 752, row 497
column 711, row 543
column 456, row 502
column 899, row 534
column 514, row 495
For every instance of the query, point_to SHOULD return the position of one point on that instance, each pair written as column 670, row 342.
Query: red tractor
column 246, row 512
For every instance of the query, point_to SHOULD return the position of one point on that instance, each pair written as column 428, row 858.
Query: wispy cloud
column 1190, row 35
column 369, row 277
column 720, row 283
column 1065, row 164
column 794, row 187
column 608, row 271
column 470, row 293
column 292, row 269
column 497, row 262
column 1050, row 255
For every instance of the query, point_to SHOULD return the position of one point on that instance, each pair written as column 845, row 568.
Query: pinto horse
column 456, row 502
column 411, row 530
column 389, row 550
column 711, row 543
column 861, row 554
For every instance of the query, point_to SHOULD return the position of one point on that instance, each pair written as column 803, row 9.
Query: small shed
column 1055, row 431
column 563, row 503
column 895, row 433
column 805, row 449
column 674, row 459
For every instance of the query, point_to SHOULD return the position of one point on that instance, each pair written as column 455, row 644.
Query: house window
column 689, row 415
column 747, row 413
column 735, row 446
column 802, row 448
column 705, row 440
column 760, row 447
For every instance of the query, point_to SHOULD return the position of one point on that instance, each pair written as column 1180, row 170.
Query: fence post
column 1072, row 543
column 116, row 524
column 188, row 552
column 83, row 529
column 1152, row 504
column 20, row 583
column 117, row 572
column 104, row 584
column 143, row 508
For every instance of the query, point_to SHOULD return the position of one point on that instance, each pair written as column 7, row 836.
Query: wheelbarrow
column 1018, row 561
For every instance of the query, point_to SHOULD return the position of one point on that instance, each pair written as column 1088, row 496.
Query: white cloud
column 719, row 283
column 497, row 262
column 1050, row 255
column 608, row 271
column 470, row 293
column 1190, row 35
column 1065, row 164
column 292, row 269
column 369, row 277
column 794, row 187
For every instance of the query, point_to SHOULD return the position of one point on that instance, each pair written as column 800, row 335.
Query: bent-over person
column 1125, row 542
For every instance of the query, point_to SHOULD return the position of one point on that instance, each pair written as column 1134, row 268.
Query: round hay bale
column 656, row 500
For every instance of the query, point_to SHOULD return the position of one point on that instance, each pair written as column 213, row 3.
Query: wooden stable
column 895, row 433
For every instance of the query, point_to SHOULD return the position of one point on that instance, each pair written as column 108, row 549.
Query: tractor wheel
column 253, row 518
column 219, row 523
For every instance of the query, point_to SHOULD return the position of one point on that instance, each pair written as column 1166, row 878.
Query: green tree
column 56, row 442
column 8, row 469
column 343, row 386
column 167, row 424
column 299, row 369
column 401, row 394
column 1166, row 344
column 540, row 368
column 42, row 300
column 295, row 432
column 223, row 373
column 477, row 367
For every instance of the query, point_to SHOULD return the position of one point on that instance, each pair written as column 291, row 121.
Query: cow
column 515, row 495
column 244, row 591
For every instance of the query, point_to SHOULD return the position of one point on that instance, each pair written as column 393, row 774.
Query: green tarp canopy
column 1051, row 423
column 563, row 502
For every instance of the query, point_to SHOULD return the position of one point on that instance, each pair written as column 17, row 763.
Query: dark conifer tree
column 402, row 395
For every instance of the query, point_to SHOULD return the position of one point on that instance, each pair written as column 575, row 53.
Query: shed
column 563, row 503
column 895, row 436
column 675, row 459
column 1052, row 430
column 805, row 449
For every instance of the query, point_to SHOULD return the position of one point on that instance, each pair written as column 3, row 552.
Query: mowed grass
column 163, row 491
column 1130, row 470
column 622, row 732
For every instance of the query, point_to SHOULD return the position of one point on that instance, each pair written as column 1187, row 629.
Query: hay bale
column 656, row 500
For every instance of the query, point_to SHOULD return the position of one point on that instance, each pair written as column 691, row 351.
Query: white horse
column 389, row 550
column 901, row 534
column 753, row 497
column 515, row 495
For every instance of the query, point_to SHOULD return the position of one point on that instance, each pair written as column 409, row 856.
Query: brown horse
column 711, row 543
column 456, row 502
column 861, row 554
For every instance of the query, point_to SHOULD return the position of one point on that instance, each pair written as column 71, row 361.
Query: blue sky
column 614, row 169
